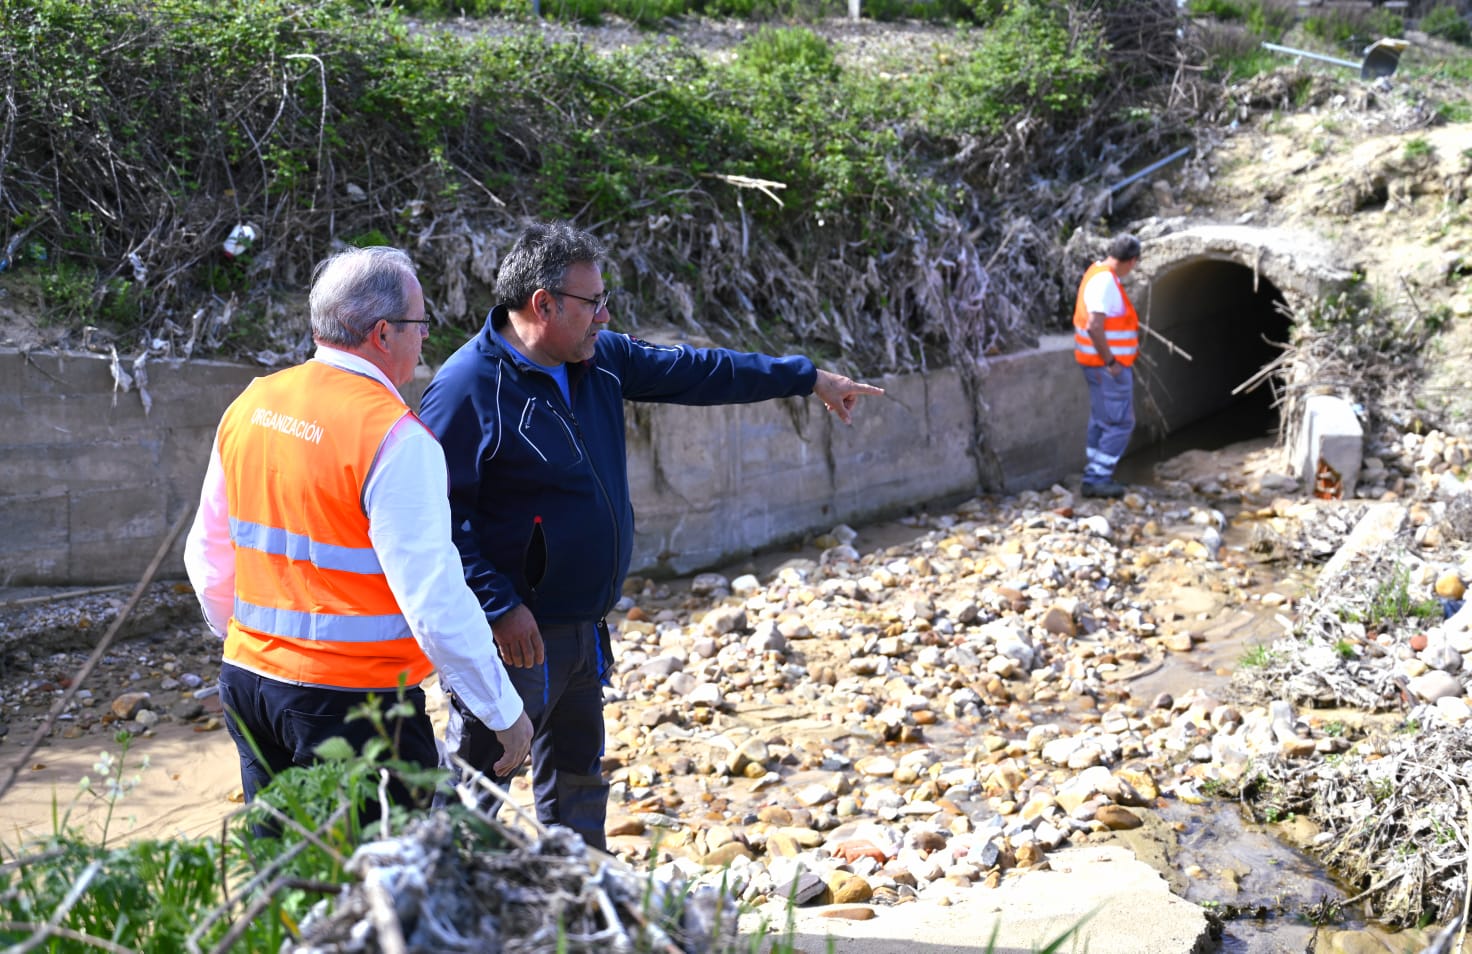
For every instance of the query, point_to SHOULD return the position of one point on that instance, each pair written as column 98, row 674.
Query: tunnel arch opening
column 1233, row 321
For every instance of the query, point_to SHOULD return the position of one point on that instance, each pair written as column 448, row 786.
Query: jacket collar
column 491, row 344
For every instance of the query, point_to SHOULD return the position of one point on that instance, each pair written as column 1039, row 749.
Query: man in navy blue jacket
column 531, row 416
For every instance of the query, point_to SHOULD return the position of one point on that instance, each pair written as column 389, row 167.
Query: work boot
column 1102, row 488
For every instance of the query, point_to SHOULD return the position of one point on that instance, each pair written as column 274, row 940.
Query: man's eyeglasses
column 599, row 303
column 409, row 321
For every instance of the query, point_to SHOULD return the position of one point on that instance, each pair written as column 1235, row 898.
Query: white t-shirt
column 1101, row 294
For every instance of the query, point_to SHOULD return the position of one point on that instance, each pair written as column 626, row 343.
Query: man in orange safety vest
column 1106, row 340
column 321, row 551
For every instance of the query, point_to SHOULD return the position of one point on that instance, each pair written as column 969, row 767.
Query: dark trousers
column 276, row 725
column 564, row 701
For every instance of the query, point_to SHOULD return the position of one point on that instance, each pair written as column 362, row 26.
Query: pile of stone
column 868, row 728
column 861, row 727
column 1411, row 465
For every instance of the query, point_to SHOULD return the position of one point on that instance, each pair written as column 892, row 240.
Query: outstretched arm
column 840, row 393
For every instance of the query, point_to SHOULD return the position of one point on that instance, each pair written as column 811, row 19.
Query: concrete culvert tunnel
column 1225, row 297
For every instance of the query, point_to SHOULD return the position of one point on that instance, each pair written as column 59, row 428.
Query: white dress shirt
column 409, row 524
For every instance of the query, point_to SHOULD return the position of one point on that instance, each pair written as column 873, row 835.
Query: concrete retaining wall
column 90, row 483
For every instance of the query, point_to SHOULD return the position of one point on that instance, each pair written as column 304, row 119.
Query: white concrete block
column 1330, row 432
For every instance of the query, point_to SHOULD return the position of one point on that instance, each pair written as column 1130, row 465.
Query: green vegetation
column 773, row 192
column 248, row 892
column 652, row 12
column 1454, row 112
column 1445, row 22
column 1352, row 29
column 244, row 892
column 1392, row 605
column 1392, row 602
column 1417, row 148
column 1273, row 814
column 1263, row 18
column 1258, row 656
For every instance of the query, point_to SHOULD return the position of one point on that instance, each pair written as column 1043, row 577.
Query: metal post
column 1313, row 56
column 1150, row 168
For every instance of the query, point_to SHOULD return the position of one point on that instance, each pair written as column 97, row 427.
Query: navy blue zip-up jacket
column 539, row 492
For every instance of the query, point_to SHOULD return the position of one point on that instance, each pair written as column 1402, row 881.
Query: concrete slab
column 1331, row 433
column 1377, row 527
column 1113, row 903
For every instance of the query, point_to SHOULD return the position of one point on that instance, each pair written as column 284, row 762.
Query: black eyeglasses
column 409, row 321
column 599, row 303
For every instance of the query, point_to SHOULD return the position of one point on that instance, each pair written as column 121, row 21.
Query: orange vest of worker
column 1121, row 331
column 312, row 606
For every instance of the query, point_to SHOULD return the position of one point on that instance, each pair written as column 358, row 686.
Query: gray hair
column 355, row 289
column 540, row 259
column 1124, row 248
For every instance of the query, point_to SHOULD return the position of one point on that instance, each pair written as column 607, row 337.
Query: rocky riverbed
column 943, row 702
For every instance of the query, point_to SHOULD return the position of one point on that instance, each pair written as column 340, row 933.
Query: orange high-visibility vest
column 1121, row 331
column 312, row 606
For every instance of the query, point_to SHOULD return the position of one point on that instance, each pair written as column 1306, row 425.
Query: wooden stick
column 1171, row 345
column 52, row 597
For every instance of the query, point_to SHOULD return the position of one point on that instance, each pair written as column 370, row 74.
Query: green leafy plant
column 369, row 238
column 1031, row 56
column 1258, row 656
column 1272, row 814
column 1448, row 24
column 66, row 293
column 1459, row 111
column 1221, row 9
column 112, row 785
column 1269, row 19
column 1350, row 28
column 1391, row 602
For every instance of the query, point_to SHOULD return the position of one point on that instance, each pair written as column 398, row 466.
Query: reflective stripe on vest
column 296, row 546
column 312, row 606
column 1120, row 331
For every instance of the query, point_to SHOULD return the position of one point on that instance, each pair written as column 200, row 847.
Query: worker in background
column 1106, row 340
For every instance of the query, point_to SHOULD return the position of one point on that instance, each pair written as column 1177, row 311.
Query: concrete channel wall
column 90, row 481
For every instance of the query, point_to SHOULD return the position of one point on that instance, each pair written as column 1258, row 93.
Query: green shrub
column 1270, row 19
column 1235, row 54
column 1031, row 60
column 798, row 52
column 1263, row 18
column 1353, row 29
column 1447, row 23
column 320, row 121
column 1220, row 9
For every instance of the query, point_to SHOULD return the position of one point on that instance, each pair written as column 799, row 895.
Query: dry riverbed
column 896, row 715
